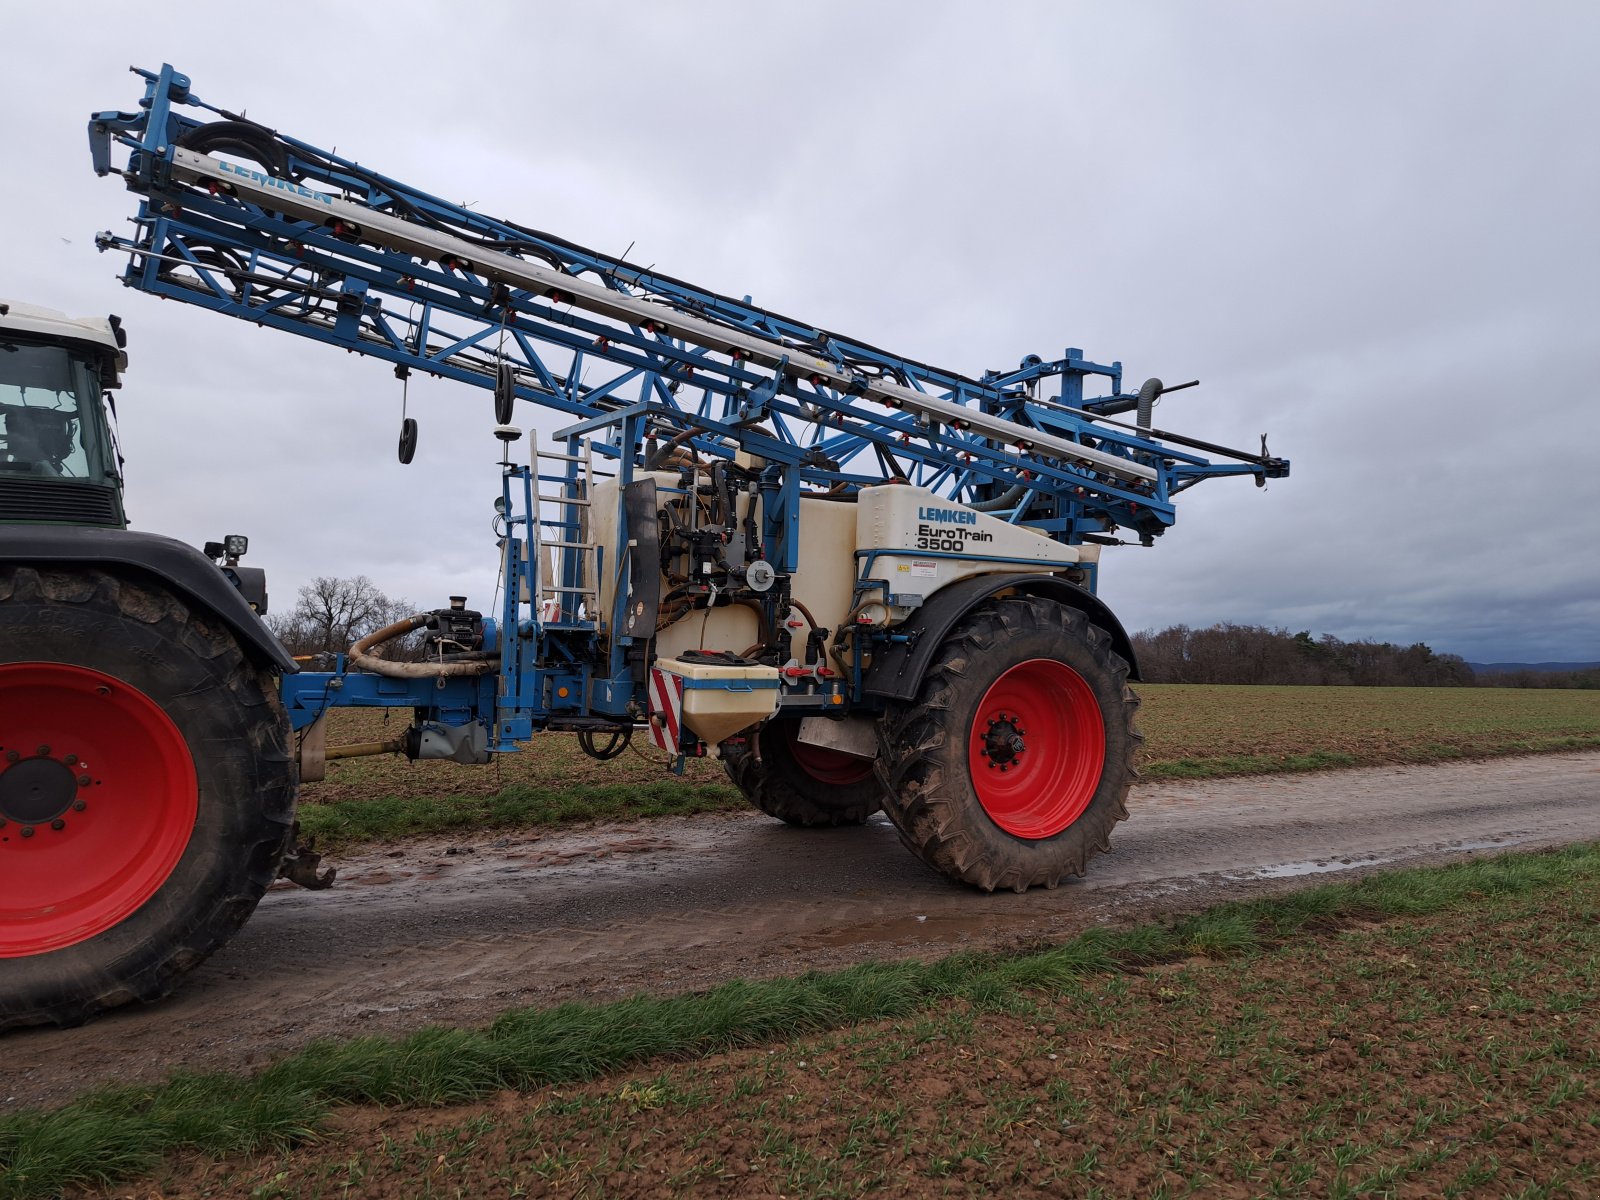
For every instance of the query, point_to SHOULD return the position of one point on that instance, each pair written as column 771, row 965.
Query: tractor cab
column 58, row 461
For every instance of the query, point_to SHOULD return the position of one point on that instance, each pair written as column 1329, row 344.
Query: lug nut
column 70, row 759
column 58, row 824
column 12, row 756
column 85, row 780
column 43, row 750
column 27, row 831
column 78, row 806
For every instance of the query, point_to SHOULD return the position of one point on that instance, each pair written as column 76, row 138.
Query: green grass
column 359, row 819
column 115, row 1133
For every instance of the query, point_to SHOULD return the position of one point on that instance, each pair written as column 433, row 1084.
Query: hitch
column 299, row 866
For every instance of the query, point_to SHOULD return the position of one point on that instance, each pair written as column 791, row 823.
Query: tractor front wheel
column 146, row 791
column 805, row 785
column 1013, row 763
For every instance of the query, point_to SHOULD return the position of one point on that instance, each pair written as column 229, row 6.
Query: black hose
column 244, row 138
column 1006, row 499
column 652, row 462
column 618, row 743
column 726, row 513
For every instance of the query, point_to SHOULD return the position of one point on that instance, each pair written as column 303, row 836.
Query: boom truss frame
column 261, row 226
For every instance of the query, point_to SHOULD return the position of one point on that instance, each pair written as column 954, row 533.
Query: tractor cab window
column 49, row 413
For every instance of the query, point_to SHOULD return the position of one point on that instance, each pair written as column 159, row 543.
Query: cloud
column 1369, row 229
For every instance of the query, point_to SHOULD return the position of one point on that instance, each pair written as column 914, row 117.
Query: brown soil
column 1418, row 1058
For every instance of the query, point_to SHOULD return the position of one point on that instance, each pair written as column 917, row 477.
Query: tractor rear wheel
column 1013, row 763
column 805, row 785
column 146, row 791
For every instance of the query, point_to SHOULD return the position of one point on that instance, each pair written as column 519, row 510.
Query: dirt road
column 458, row 931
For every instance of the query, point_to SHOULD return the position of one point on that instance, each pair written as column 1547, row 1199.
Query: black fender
column 178, row 565
column 896, row 672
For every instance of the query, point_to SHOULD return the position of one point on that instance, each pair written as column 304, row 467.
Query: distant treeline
column 1255, row 654
column 1540, row 679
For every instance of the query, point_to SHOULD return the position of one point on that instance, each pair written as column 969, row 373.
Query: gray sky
column 1370, row 229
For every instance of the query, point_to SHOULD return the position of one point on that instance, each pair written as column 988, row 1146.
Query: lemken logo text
column 283, row 185
column 951, row 516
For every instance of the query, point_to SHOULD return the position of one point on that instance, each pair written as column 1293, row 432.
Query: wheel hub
column 1004, row 744
column 36, row 791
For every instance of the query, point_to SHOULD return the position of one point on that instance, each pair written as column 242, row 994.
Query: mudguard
column 896, row 673
column 176, row 564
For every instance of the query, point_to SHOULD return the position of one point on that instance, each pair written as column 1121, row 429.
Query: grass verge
column 114, row 1133
column 357, row 819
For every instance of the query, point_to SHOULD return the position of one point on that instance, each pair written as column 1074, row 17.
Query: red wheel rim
column 822, row 764
column 98, row 796
column 1038, row 748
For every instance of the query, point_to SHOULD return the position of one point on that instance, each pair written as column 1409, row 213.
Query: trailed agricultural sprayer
column 862, row 581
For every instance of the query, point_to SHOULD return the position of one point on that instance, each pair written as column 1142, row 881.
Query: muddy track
column 457, row 931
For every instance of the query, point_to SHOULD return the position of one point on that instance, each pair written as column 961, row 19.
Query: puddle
column 921, row 927
column 1323, row 866
column 1290, row 870
column 1499, row 843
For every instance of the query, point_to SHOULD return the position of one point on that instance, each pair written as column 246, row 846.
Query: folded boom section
column 253, row 223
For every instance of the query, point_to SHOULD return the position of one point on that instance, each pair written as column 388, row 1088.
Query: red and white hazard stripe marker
column 666, row 710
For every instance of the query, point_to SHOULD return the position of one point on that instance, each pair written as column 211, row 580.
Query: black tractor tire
column 120, row 669
column 810, row 790
column 1014, row 761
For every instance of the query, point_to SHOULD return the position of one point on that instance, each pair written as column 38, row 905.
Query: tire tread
column 772, row 781
column 253, row 693
column 921, row 767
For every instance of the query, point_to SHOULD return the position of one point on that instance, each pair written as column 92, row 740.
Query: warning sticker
column 923, row 568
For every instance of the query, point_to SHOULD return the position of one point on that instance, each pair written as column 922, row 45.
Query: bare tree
column 331, row 613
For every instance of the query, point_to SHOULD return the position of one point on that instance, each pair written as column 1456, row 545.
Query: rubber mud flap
column 801, row 785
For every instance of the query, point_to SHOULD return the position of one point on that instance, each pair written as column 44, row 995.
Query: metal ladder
column 571, row 576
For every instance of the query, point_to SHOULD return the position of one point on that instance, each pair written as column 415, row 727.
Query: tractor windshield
column 50, row 414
